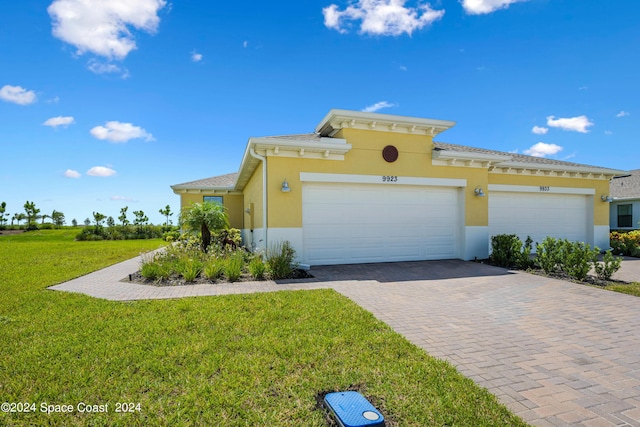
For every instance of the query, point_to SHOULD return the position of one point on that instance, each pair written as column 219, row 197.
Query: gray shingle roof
column 221, row 181
column 312, row 137
column 625, row 187
column 520, row 158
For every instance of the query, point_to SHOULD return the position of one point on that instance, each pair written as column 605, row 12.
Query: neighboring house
column 368, row 187
column 625, row 207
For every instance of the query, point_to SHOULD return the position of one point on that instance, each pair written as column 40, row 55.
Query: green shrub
column 577, row 258
column 171, row 236
column 279, row 260
column 257, row 269
column 233, row 266
column 150, row 270
column 549, row 255
column 214, row 268
column 507, row 250
column 190, row 269
column 609, row 265
column 625, row 243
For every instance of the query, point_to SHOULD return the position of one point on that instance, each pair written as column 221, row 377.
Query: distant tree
column 87, row 222
column 74, row 222
column 167, row 213
column 3, row 215
column 123, row 216
column 141, row 218
column 203, row 218
column 13, row 218
column 44, row 216
column 18, row 217
column 57, row 218
column 111, row 222
column 32, row 214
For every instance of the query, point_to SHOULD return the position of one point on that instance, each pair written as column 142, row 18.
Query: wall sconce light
column 606, row 198
column 478, row 192
column 247, row 211
column 285, row 186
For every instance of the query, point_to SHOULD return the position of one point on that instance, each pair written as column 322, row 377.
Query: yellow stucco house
column 369, row 187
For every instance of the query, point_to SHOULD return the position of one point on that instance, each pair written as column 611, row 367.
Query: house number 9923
column 387, row 178
column 544, row 188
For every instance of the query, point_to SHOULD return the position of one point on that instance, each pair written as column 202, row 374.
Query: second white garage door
column 359, row 223
column 539, row 215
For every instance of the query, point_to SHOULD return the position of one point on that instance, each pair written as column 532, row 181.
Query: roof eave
column 336, row 120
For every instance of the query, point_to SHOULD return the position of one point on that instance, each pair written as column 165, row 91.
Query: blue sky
column 105, row 104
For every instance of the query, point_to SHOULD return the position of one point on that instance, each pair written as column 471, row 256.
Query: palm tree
column 203, row 218
column 20, row 217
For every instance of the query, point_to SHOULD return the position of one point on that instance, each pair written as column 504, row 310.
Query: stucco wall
column 285, row 209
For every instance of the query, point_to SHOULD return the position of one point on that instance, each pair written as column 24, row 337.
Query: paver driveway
column 556, row 353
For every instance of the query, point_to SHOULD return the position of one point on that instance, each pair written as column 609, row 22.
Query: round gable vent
column 390, row 153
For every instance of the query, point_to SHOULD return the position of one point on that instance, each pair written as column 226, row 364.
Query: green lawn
column 630, row 288
column 243, row 360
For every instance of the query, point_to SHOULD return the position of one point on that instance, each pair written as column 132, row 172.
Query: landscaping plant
column 507, row 250
column 577, row 258
column 626, row 243
column 233, row 266
column 257, row 268
column 280, row 260
column 214, row 268
column 549, row 255
column 203, row 218
column 609, row 265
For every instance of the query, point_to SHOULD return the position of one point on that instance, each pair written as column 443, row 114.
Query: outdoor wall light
column 285, row 186
column 478, row 192
column 248, row 211
column 606, row 198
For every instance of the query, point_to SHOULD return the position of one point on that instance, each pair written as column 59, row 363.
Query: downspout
column 264, row 192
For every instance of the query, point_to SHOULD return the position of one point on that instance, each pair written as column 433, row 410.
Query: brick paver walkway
column 556, row 353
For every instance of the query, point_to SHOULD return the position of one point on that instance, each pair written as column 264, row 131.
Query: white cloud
column 54, row 122
column 479, row 7
column 54, row 100
column 101, row 171
column 403, row 68
column 542, row 149
column 381, row 17
column 245, row 44
column 17, row 95
column 576, row 124
column 70, row 173
column 378, row 106
column 120, row 132
column 622, row 114
column 103, row 27
column 539, row 130
column 608, row 132
column 196, row 57
column 98, row 67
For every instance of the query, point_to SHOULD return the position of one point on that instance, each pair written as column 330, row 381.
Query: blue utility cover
column 351, row 409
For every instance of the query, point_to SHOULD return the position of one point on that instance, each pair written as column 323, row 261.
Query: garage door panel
column 538, row 215
column 378, row 223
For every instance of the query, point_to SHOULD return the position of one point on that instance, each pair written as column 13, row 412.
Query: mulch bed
column 10, row 232
column 176, row 280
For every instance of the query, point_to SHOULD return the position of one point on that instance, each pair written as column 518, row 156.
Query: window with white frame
column 625, row 215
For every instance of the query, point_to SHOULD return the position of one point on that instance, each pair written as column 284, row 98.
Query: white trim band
column 381, row 179
column 541, row 189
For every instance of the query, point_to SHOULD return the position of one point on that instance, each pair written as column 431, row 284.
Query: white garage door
column 539, row 215
column 358, row 223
